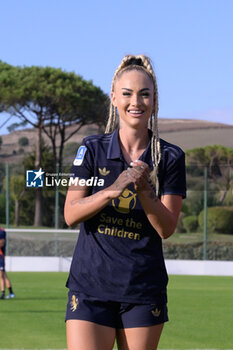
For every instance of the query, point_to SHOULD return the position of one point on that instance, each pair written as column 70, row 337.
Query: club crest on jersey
column 104, row 171
column 80, row 155
column 73, row 303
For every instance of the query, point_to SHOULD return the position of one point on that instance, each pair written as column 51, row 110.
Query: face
column 133, row 96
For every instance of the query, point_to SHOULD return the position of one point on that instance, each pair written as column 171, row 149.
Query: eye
column 126, row 93
column 145, row 94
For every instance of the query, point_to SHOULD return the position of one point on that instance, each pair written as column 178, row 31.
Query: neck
column 133, row 142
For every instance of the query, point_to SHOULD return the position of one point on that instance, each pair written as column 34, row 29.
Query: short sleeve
column 83, row 163
column 174, row 175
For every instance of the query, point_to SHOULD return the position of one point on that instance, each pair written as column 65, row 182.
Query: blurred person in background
column 4, row 280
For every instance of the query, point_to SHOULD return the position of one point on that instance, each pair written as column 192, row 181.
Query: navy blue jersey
column 3, row 236
column 119, row 255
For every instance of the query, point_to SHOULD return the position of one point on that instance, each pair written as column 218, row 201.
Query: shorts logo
column 80, row 155
column 156, row 312
column 74, row 303
column 104, row 172
column 35, row 178
column 125, row 202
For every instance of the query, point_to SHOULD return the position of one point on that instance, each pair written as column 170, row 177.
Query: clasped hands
column 138, row 173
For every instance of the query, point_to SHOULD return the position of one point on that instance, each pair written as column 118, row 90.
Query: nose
column 135, row 101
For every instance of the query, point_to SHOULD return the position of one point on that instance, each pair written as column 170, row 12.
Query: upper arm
column 173, row 203
column 82, row 168
column 173, row 174
column 173, row 188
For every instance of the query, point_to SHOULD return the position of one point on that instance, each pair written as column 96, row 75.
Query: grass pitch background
column 200, row 312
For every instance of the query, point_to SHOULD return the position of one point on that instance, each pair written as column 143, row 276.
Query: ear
column 113, row 98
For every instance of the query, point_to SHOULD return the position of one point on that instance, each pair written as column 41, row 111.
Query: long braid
column 153, row 123
column 140, row 62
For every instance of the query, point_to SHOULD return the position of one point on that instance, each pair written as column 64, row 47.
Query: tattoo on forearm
column 82, row 201
column 153, row 196
column 85, row 200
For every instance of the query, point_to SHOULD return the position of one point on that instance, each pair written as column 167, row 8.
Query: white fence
column 174, row 267
column 62, row 264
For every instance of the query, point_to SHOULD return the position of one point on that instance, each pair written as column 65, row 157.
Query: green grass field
column 200, row 312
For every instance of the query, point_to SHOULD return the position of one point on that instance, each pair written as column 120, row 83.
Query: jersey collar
column 114, row 150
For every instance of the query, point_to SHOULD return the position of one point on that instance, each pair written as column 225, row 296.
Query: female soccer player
column 117, row 281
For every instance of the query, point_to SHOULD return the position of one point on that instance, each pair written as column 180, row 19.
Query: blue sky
column 189, row 41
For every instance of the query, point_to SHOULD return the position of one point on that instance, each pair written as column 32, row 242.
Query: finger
column 139, row 163
column 132, row 173
column 138, row 174
column 141, row 170
column 127, row 173
column 127, row 176
column 136, row 169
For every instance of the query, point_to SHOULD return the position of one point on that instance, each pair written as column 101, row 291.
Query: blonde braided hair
column 141, row 63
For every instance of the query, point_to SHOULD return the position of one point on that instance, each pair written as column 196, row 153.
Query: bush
column 190, row 223
column 21, row 150
column 228, row 201
column 23, row 141
column 219, row 219
column 180, row 226
column 193, row 204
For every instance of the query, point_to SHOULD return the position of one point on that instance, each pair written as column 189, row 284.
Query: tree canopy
column 52, row 100
column 219, row 162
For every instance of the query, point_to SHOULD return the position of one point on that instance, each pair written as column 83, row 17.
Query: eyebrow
column 132, row 90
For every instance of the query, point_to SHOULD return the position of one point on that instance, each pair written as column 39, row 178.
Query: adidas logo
column 104, row 171
column 156, row 312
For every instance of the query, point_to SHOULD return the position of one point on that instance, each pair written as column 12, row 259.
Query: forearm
column 78, row 210
column 160, row 216
column 80, row 206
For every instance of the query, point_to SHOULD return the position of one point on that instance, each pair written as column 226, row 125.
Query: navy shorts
column 115, row 314
column 2, row 263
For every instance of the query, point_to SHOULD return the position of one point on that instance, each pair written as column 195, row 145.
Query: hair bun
column 134, row 62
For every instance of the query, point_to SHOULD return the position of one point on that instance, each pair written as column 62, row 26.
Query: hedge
column 190, row 223
column 219, row 219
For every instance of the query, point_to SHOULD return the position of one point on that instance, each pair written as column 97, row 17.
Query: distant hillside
column 188, row 133
column 185, row 133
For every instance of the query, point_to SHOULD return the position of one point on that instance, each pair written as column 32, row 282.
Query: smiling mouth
column 135, row 112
